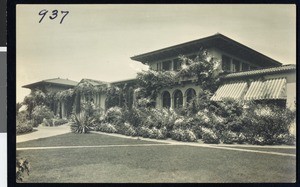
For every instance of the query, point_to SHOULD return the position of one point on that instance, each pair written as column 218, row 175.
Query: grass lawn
column 71, row 139
column 165, row 163
column 279, row 150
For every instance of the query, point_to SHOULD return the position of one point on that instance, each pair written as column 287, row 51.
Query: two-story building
column 244, row 69
column 249, row 75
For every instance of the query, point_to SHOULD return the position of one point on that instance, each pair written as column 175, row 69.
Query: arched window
column 166, row 99
column 190, row 94
column 178, row 99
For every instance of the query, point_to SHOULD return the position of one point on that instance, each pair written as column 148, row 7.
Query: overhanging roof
column 93, row 82
column 55, row 81
column 218, row 41
column 281, row 69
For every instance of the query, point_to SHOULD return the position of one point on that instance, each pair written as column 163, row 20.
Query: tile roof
column 59, row 81
column 262, row 71
column 219, row 41
column 94, row 82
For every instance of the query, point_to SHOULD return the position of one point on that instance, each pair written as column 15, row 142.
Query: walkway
column 44, row 132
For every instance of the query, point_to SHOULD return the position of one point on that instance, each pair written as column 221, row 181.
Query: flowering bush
column 129, row 130
column 183, row 135
column 114, row 116
column 209, row 136
column 265, row 124
column 23, row 125
column 106, row 127
column 229, row 137
column 39, row 113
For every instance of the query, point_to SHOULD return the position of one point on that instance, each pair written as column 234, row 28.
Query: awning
column 269, row 89
column 230, row 90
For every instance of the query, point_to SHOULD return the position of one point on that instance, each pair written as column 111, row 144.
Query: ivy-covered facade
column 180, row 73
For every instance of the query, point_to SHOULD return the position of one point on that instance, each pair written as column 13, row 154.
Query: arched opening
column 178, row 99
column 190, row 95
column 166, row 98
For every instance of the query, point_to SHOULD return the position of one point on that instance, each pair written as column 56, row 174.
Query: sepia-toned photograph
column 156, row 93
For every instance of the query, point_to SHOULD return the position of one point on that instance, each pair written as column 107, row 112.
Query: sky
column 97, row 41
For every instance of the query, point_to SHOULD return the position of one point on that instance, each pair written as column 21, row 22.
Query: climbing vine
column 204, row 68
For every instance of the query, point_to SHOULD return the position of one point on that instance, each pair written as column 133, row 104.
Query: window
column 177, row 64
column 178, row 99
column 158, row 66
column 225, row 63
column 245, row 67
column 166, row 65
column 166, row 99
column 235, row 65
column 190, row 95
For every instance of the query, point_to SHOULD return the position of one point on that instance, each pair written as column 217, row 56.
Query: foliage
column 106, row 127
column 151, row 82
column 114, row 116
column 23, row 128
column 39, row 113
column 134, row 116
column 154, row 133
column 18, row 106
column 113, row 97
column 56, row 121
column 203, row 67
column 265, row 124
column 229, row 137
column 23, row 125
column 209, row 136
column 183, row 135
column 35, row 98
column 22, row 166
column 82, row 123
column 85, row 121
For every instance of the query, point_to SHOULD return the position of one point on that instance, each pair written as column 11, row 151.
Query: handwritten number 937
column 53, row 15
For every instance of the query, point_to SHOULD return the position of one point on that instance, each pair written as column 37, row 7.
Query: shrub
column 264, row 124
column 114, row 116
column 183, row 135
column 144, row 132
column 58, row 121
column 241, row 138
column 229, row 137
column 209, row 136
column 134, row 116
column 288, row 139
column 82, row 123
column 47, row 122
column 39, row 113
column 22, row 166
column 23, row 125
column 106, row 127
column 24, row 128
column 129, row 130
